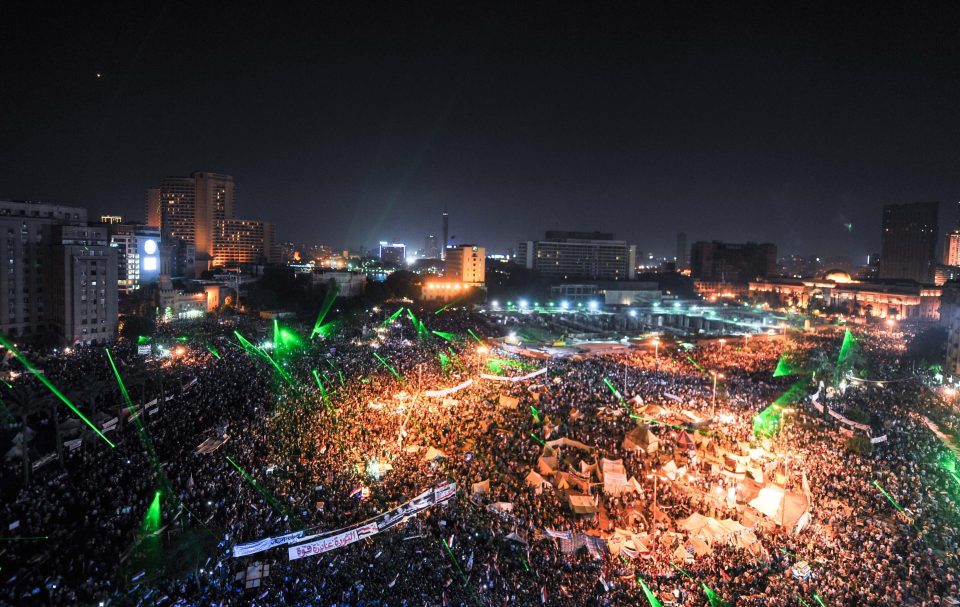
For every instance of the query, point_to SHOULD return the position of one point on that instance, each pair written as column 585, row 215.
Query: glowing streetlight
column 494, row 304
column 632, row 313
column 656, row 350
column 565, row 305
column 593, row 306
column 722, row 342
column 523, row 304
column 714, row 404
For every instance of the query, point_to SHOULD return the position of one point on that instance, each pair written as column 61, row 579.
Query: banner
column 560, row 535
column 391, row 518
column 447, row 391
column 879, row 439
column 265, row 544
column 536, row 373
column 849, row 422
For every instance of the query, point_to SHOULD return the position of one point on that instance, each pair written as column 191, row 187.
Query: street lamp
column 654, row 475
column 714, row 404
column 722, row 342
column 656, row 351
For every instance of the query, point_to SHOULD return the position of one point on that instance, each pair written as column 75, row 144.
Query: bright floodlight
column 633, row 313
column 592, row 305
column 495, row 303
column 565, row 305
column 523, row 303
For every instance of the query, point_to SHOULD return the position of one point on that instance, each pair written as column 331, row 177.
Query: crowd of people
column 299, row 425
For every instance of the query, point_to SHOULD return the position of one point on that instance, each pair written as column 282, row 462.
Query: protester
column 308, row 449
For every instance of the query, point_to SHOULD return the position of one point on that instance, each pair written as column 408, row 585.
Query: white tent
column 537, row 482
column 614, row 477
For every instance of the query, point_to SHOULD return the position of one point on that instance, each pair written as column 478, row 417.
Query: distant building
column 431, row 247
column 60, row 284
column 902, row 301
column 446, row 236
column 83, row 285
column 950, row 316
column 111, row 219
column 393, row 253
column 570, row 255
column 724, row 262
column 138, row 255
column 200, row 211
column 467, row 264
column 683, row 253
column 951, row 249
column 245, row 242
column 908, row 241
column 349, row 284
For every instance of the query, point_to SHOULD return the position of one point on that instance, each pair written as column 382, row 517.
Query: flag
column 357, row 493
column 726, row 577
column 470, row 561
column 543, row 595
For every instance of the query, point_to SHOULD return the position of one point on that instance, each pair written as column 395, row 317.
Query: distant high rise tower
column 683, row 253
column 446, row 235
column 908, row 242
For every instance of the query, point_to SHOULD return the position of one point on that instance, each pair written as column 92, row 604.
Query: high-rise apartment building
column 466, row 263
column 243, row 241
column 59, row 282
column 393, row 253
column 446, row 235
column 593, row 255
column 683, row 253
column 951, row 249
column 732, row 262
column 200, row 211
column 908, row 241
column 138, row 254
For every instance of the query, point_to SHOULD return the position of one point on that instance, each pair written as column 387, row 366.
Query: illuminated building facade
column 138, row 255
column 902, row 301
column 59, row 279
column 394, row 253
column 592, row 255
column 466, row 263
column 243, row 241
column 908, row 241
column 951, row 249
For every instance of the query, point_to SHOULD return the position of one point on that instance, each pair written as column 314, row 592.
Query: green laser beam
column 25, row 538
column 651, row 598
column 682, row 571
column 474, row 335
column 538, row 439
column 817, row 598
column 387, row 365
column 392, row 318
column 36, row 373
column 614, row 390
column 457, row 565
column 447, row 336
column 151, row 520
column 278, row 508
column 694, row 363
column 525, row 565
column 889, row 497
column 332, row 291
column 213, row 351
column 138, row 423
column 713, row 598
column 250, row 348
column 802, row 602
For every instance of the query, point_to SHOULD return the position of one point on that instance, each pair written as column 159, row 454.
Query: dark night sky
column 354, row 123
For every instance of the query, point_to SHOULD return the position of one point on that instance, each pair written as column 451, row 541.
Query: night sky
column 354, row 123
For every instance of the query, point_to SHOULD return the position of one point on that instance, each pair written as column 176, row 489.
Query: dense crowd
column 306, row 429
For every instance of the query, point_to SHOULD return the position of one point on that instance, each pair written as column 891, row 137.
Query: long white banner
column 446, row 391
column 391, row 518
column 520, row 378
column 266, row 544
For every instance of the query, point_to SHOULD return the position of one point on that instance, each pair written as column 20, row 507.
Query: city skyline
column 645, row 123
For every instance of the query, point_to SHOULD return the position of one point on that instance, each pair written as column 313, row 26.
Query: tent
column 693, row 523
column 568, row 442
column 614, row 477
column 508, row 402
column 481, row 488
column 432, row 454
column 582, row 504
column 785, row 508
column 569, row 481
column 537, row 482
column 547, row 465
column 641, row 439
column 684, row 440
column 748, row 490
